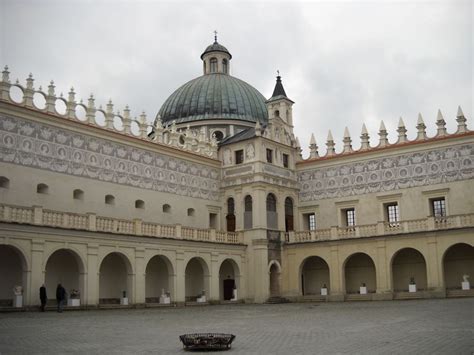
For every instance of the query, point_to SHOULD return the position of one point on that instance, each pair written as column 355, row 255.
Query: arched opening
column 272, row 217
column 4, row 182
column 13, row 271
column 159, row 279
column 42, row 188
column 109, row 200
column 230, row 217
column 289, row 226
column 78, row 194
column 224, row 66
column 277, row 113
column 248, row 212
column 314, row 276
column 359, row 270
column 218, row 135
column 458, row 261
column 115, row 281
column 140, row 204
column 213, row 65
column 274, row 279
column 408, row 267
column 196, row 280
column 64, row 267
column 229, row 282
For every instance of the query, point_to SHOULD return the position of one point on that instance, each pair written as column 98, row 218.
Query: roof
column 278, row 91
column 216, row 47
column 214, row 96
column 238, row 137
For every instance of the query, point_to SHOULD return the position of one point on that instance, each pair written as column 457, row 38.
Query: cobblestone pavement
column 416, row 327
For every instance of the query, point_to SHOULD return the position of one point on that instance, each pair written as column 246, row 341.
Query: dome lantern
column 216, row 58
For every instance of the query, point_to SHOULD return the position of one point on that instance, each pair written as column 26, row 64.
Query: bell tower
column 280, row 107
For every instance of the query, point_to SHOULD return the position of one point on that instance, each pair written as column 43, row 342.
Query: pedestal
column 18, row 301
column 201, row 299
column 363, row 290
column 234, row 295
column 165, row 300
column 465, row 285
column 124, row 301
column 411, row 288
column 324, row 292
column 73, row 302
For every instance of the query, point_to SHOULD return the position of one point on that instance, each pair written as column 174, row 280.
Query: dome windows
column 213, row 63
column 224, row 66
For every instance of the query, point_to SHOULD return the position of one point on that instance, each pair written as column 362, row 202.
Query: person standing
column 43, row 297
column 60, row 297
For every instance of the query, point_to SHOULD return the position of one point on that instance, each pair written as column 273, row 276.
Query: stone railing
column 381, row 229
column 36, row 215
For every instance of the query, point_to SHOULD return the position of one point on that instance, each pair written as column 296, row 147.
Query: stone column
column 239, row 210
column 434, row 282
column 281, row 210
column 259, row 208
column 214, row 278
column 290, row 276
column 336, row 279
column 382, row 273
column 180, row 279
column 37, row 271
column 261, row 279
column 140, row 277
column 93, row 271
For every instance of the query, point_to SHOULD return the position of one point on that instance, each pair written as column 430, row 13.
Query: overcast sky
column 343, row 63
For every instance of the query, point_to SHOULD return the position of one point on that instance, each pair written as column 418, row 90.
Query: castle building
column 213, row 202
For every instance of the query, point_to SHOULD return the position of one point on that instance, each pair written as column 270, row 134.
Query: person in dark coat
column 60, row 297
column 43, row 297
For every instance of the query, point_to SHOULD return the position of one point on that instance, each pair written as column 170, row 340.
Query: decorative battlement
column 383, row 140
column 121, row 122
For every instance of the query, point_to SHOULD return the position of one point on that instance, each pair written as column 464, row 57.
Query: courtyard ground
column 417, row 327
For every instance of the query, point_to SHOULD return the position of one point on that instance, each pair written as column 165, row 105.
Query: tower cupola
column 216, row 58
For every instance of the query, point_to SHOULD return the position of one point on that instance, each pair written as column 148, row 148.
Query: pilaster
column 92, row 295
column 37, row 271
column 140, row 269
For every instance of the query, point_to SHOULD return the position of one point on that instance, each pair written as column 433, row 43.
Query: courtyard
column 443, row 326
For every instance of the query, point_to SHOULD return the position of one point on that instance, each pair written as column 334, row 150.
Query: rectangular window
column 269, row 156
column 438, row 207
column 239, row 156
column 350, row 217
column 312, row 221
column 285, row 160
column 213, row 220
column 393, row 215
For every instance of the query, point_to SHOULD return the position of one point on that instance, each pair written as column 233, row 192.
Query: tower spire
column 215, row 36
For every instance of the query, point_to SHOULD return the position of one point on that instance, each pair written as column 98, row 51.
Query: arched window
column 230, row 218
column 224, row 66
column 166, row 208
column 272, row 217
column 109, row 199
column 219, row 135
column 4, row 182
column 140, row 204
column 289, row 226
column 78, row 194
column 213, row 63
column 277, row 113
column 248, row 208
column 42, row 188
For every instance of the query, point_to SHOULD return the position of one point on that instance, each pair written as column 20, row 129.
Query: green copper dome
column 214, row 96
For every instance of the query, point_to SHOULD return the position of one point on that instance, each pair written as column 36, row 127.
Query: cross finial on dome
column 278, row 72
column 215, row 36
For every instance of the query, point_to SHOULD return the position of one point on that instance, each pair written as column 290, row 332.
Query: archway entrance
column 274, row 280
column 457, row 262
column 158, row 279
column 196, row 279
column 314, row 276
column 64, row 267
column 229, row 280
column 115, row 278
column 408, row 264
column 359, row 270
column 13, row 273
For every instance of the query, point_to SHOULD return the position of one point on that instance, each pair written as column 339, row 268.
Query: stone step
column 277, row 300
column 313, row 298
column 460, row 293
column 192, row 304
column 358, row 297
column 408, row 295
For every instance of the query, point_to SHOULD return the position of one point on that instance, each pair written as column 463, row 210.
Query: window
column 311, row 220
column 248, row 218
column 224, row 66
column 109, row 200
column 213, row 220
column 438, row 207
column 285, row 160
column 219, row 135
column 166, row 208
column 271, row 203
column 42, row 188
column 190, row 212
column 230, row 218
column 269, row 156
column 350, row 217
column 140, row 204
column 4, row 182
column 289, row 225
column 213, row 65
column 393, row 216
column 239, row 156
column 277, row 113
column 78, row 194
